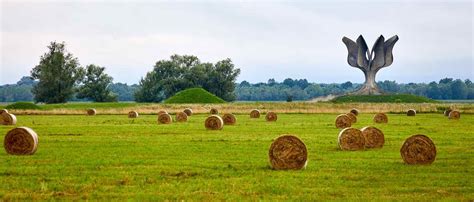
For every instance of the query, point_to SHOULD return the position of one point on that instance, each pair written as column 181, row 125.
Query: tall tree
column 96, row 85
column 58, row 73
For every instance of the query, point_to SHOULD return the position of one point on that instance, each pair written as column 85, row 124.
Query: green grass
column 23, row 105
column 108, row 157
column 395, row 98
column 194, row 95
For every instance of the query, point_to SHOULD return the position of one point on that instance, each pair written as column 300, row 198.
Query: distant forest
column 288, row 90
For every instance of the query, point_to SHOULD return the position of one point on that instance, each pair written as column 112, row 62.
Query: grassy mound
column 396, row 98
column 194, row 95
column 23, row 105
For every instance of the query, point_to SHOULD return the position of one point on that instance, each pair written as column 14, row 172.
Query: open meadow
column 112, row 156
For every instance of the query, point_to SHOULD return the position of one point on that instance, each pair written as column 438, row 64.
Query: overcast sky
column 265, row 39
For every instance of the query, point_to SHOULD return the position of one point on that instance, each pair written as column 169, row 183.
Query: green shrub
column 194, row 95
column 23, row 105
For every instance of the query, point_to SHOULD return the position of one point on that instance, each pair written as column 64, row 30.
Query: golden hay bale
column 418, row 149
column 181, row 117
column 351, row 139
column 255, row 113
column 355, row 111
column 343, row 121
column 132, row 114
column 7, row 119
column 271, row 116
column 164, row 118
column 411, row 112
column 380, row 118
column 288, row 152
column 447, row 111
column 229, row 119
column 353, row 117
column 162, row 112
column 214, row 122
column 188, row 111
column 454, row 114
column 374, row 137
column 21, row 141
column 214, row 111
column 91, row 112
column 3, row 111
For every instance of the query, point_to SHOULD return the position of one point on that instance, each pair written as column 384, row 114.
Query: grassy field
column 111, row 156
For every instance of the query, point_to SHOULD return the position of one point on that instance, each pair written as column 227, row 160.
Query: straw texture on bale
column 132, row 114
column 418, row 149
column 162, row 112
column 255, row 113
column 454, row 114
column 351, row 139
column 164, row 118
column 380, row 118
column 271, row 116
column 374, row 137
column 91, row 112
column 214, row 122
column 411, row 112
column 21, row 141
column 3, row 111
column 288, row 152
column 229, row 119
column 181, row 117
column 7, row 119
column 353, row 117
column 188, row 111
column 355, row 112
column 343, row 121
column 447, row 111
column 214, row 111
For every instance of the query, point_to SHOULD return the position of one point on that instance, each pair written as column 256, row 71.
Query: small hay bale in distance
column 132, row 114
column 214, row 122
column 374, row 137
column 355, row 111
column 411, row 112
column 188, row 111
column 164, row 118
column 181, row 117
column 380, row 118
column 271, row 116
column 7, row 119
column 229, row 119
column 214, row 111
column 21, row 141
column 255, row 114
column 447, row 111
column 343, row 121
column 91, row 112
column 454, row 115
column 418, row 149
column 353, row 117
column 351, row 139
column 288, row 152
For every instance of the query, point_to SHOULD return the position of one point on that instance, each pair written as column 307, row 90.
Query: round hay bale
column 418, row 149
column 271, row 116
column 411, row 112
column 229, row 119
column 91, row 112
column 162, row 112
column 214, row 111
column 181, row 117
column 255, row 114
column 288, row 152
column 21, row 141
column 355, row 111
column 353, row 117
column 380, row 118
column 351, row 139
column 447, row 111
column 7, row 119
column 214, row 122
column 454, row 115
column 132, row 114
column 188, row 111
column 343, row 121
column 3, row 111
column 374, row 137
column 164, row 118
